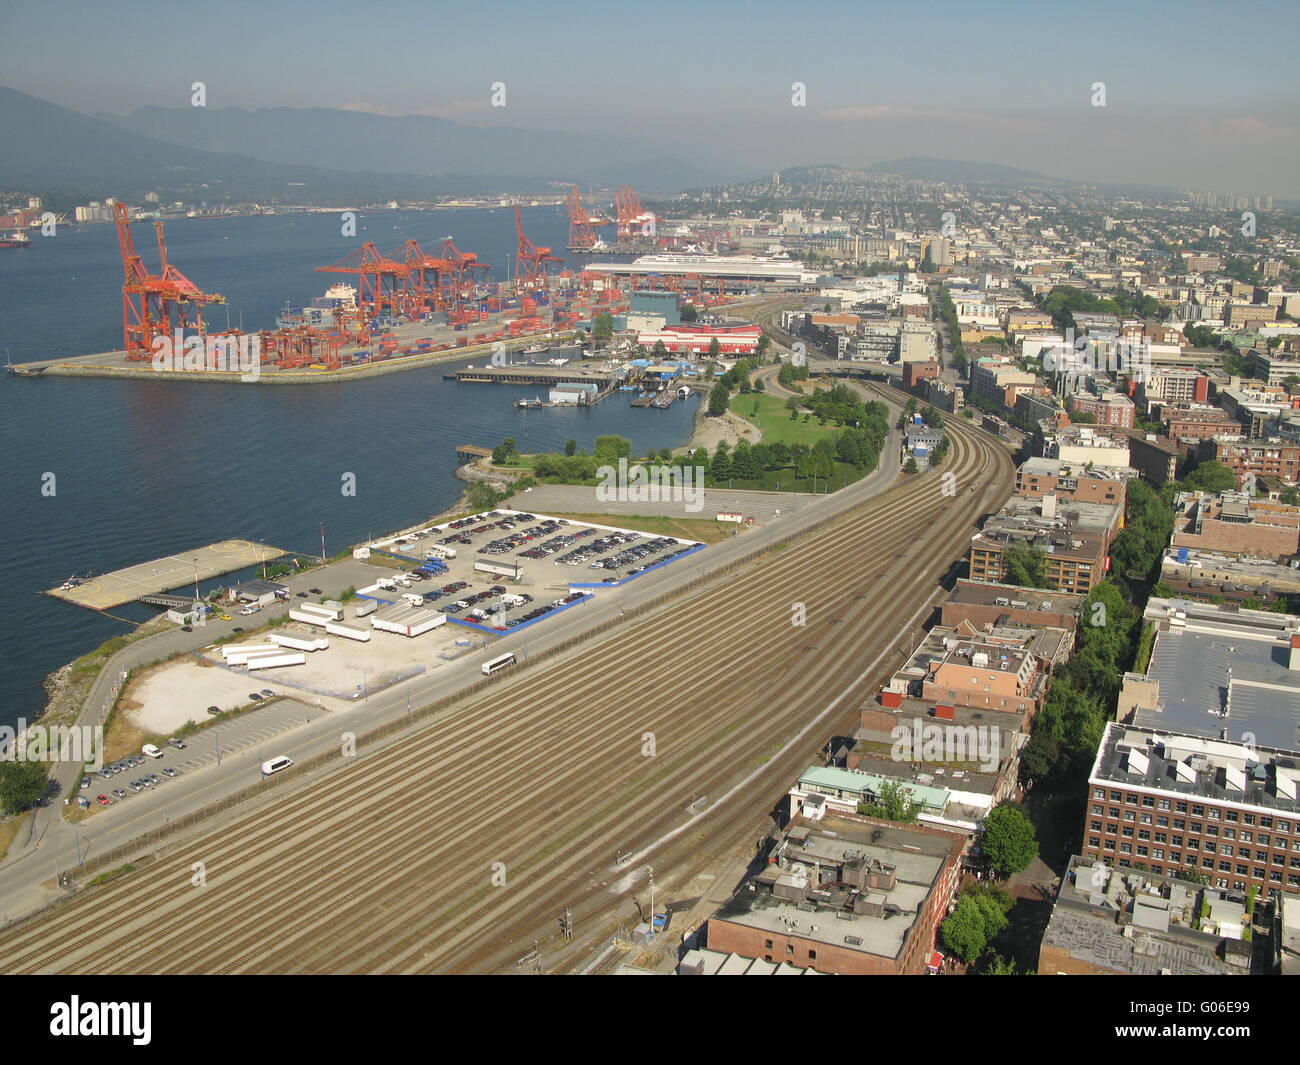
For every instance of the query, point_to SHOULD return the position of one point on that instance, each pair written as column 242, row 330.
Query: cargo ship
column 321, row 310
column 16, row 239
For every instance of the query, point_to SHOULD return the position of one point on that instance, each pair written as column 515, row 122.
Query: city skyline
column 1006, row 85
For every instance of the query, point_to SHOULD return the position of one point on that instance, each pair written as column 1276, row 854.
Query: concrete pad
column 164, row 574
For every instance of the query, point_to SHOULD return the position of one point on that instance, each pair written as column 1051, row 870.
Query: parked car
column 120, row 793
column 214, row 710
column 169, row 771
column 104, row 800
column 315, row 591
column 178, row 744
column 255, row 697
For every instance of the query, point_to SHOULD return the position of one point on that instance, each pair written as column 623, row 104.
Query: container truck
column 361, row 635
column 275, row 661
column 300, row 643
column 387, row 584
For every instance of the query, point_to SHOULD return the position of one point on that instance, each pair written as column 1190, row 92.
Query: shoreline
column 277, row 377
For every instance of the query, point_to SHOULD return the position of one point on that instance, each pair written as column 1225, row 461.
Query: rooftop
column 1146, row 925
column 1224, row 673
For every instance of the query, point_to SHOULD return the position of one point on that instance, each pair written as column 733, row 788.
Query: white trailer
column 253, row 656
column 367, row 607
column 348, row 633
column 414, row 627
column 308, row 619
column 438, row 551
column 503, row 569
column 334, row 613
column 300, row 643
column 233, row 650
column 275, row 661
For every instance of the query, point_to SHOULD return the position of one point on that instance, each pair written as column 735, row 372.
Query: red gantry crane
column 383, row 284
column 582, row 226
column 627, row 204
column 154, row 304
column 531, row 261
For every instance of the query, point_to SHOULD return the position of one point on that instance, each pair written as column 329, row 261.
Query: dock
column 162, row 575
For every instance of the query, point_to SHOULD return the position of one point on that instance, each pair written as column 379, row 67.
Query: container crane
column 531, row 261
column 383, row 284
column 582, row 226
column 631, row 217
column 154, row 304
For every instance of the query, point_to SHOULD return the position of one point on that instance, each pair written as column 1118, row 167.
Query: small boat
column 536, row 349
column 529, row 404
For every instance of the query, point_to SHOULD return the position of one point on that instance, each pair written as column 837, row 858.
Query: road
column 457, row 845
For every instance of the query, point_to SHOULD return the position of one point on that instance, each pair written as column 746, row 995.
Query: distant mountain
column 72, row 157
column 926, row 168
column 413, row 144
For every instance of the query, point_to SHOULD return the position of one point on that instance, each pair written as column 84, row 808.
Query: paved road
column 581, row 499
column 27, row 873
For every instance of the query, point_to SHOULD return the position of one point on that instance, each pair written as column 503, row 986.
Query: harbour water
column 142, row 470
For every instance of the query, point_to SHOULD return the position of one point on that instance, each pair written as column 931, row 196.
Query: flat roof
column 1224, row 674
column 164, row 574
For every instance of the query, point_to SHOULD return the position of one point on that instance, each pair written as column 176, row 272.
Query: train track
column 387, row 862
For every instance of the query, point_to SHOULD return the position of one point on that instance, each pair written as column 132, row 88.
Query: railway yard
column 456, row 844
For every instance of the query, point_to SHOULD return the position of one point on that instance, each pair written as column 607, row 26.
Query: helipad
column 164, row 574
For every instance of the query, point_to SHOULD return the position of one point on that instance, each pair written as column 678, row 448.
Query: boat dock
column 162, row 575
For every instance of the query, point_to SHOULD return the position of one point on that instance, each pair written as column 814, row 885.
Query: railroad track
column 384, row 863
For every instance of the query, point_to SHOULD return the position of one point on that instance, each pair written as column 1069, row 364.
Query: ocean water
column 141, row 470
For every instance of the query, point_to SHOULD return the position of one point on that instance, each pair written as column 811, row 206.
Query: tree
column 602, row 329
column 1039, row 756
column 910, row 465
column 571, row 447
column 894, row 803
column 1000, row 966
column 715, row 348
column 1008, row 842
column 969, row 929
column 1024, row 565
column 609, row 448
column 504, row 452
column 719, row 398
column 21, row 785
column 689, row 313
column 1212, row 476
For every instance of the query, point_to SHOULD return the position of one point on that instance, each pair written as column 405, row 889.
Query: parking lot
column 138, row 774
column 527, row 551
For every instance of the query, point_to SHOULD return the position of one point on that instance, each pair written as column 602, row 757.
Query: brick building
column 845, row 895
column 1263, row 458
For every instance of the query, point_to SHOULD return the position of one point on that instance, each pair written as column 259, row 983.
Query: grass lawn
column 785, row 481
column 773, row 420
column 706, row 530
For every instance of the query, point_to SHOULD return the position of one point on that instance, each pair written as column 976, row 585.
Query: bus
column 276, row 764
column 495, row 665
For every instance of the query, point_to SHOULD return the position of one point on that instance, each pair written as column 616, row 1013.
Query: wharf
column 602, row 374
column 162, row 575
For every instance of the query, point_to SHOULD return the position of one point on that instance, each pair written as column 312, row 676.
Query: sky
column 1196, row 94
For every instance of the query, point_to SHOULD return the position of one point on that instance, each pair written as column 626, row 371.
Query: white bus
column 276, row 764
column 495, row 665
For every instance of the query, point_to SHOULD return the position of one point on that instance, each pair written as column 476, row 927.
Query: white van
column 276, row 764
column 151, row 751
column 249, row 610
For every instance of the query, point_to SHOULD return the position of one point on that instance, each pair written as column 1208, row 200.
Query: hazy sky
column 1198, row 94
